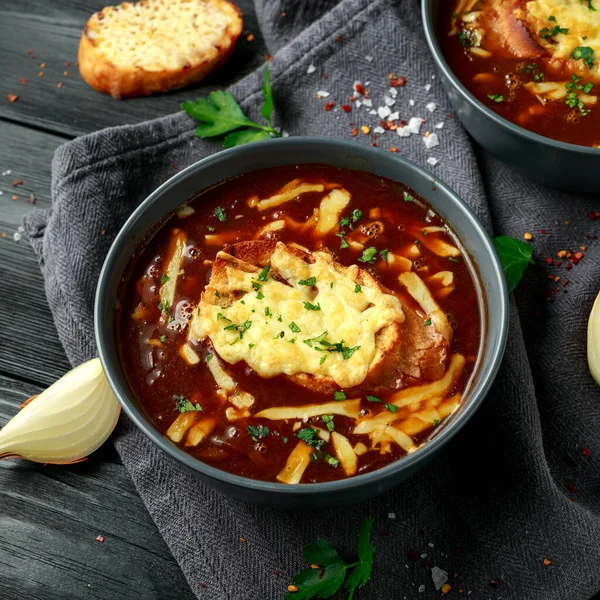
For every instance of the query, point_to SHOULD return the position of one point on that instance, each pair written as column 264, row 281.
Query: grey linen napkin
column 519, row 485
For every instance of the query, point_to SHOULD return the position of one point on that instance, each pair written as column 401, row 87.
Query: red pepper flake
column 103, row 232
column 577, row 257
column 41, row 74
column 17, row 182
column 328, row 106
column 22, row 81
column 565, row 283
column 67, row 64
column 173, row 166
column 374, row 144
column 425, row 563
column 243, row 540
column 12, row 98
column 593, row 216
column 276, row 573
column 569, row 266
column 202, row 584
column 29, row 52
column 346, row 108
column 547, row 561
column 393, row 149
column 59, row 84
column 572, row 488
column 549, row 260
column 543, row 232
column 354, row 131
column 268, row 57
column 495, row 583
column 338, row 38
column 250, row 37
column 586, row 452
column 413, row 554
column 100, row 539
column 359, row 89
column 398, row 81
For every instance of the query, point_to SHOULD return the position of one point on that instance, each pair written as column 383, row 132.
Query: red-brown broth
column 554, row 119
column 156, row 375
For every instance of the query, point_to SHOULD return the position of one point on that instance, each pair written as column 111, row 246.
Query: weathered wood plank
column 51, row 516
column 29, row 347
column 51, row 30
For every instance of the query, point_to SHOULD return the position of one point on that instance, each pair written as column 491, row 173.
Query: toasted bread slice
column 403, row 348
column 138, row 48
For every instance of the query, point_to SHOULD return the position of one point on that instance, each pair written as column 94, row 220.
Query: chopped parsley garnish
column 368, row 255
column 220, row 214
column 164, row 307
column 268, row 312
column 309, row 306
column 339, row 395
column 328, row 420
column 280, row 319
column 284, row 439
column 208, row 358
column 257, row 432
column 164, row 279
column 241, row 328
column 260, row 296
column 391, row 407
column 281, row 334
column 217, row 294
column 310, row 437
column 348, row 221
column 294, row 327
column 262, row 276
column 384, row 254
column 162, row 338
column 184, row 405
column 250, row 346
column 436, row 422
column 323, row 359
column 533, row 69
column 408, row 197
column 292, row 341
column 316, row 340
column 256, row 286
column 222, row 316
column 452, row 259
column 427, row 323
column 572, row 99
column 343, row 243
column 589, row 5
column 584, row 53
column 330, row 460
column 210, row 228
column 322, row 345
column 496, row 97
column 357, row 289
column 465, row 40
column 546, row 33
column 332, row 575
column 356, row 214
column 309, row 282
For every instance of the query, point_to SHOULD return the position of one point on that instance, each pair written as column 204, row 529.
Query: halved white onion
column 593, row 341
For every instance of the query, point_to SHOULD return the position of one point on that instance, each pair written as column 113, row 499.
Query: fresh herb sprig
column 221, row 114
column 333, row 571
column 514, row 255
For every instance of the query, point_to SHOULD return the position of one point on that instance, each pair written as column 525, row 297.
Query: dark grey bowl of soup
column 301, row 322
column 517, row 89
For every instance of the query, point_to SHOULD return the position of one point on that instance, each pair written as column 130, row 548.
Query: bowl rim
column 427, row 7
column 480, row 387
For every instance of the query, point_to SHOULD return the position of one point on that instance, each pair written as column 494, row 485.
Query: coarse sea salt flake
column 389, row 101
column 379, row 129
column 17, row 236
column 5, row 173
column 394, row 116
column 427, row 87
column 368, row 102
column 284, row 133
column 391, row 515
column 358, row 103
column 369, row 58
column 432, row 161
column 411, row 102
column 311, row 69
column 439, row 577
column 431, row 106
column 393, row 92
column 403, row 131
column 439, row 125
column 384, row 112
column 421, row 588
column 414, row 124
column 323, row 94
column 431, row 141
column 372, row 112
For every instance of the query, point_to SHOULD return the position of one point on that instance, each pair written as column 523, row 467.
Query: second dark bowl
column 554, row 163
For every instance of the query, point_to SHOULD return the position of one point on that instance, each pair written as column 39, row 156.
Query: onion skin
column 593, row 341
column 66, row 422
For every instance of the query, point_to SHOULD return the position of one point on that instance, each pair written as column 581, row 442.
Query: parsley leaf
column 357, row 289
column 220, row 214
column 368, row 255
column 356, row 214
column 584, row 53
column 164, row 278
column 164, row 307
column 184, row 405
column 514, row 255
column 327, row 580
column 220, row 114
column 309, row 306
column 339, row 395
column 384, row 254
column 328, row 420
column 427, row 322
column 496, row 97
column 408, row 197
column 589, row 4
column 310, row 281
column 258, row 432
column 262, row 276
column 294, row 327
column 310, row 437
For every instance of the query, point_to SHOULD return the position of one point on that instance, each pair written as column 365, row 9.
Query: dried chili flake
column 572, row 487
column 268, row 57
column 202, row 584
column 328, row 106
column 393, row 149
column 576, row 257
column 413, row 554
column 374, row 144
column 12, row 98
column 583, row 248
column 397, row 81
column 549, row 260
column 425, row 563
column 67, row 64
column 22, row 81
column 495, row 583
column 250, row 37
column 41, row 74
column 100, row 538
column 29, row 52
column 59, row 84
column 346, row 108
column 547, row 561
column 17, row 182
column 338, row 38
column 446, row 588
column 65, row 73
column 586, row 452
column 243, row 540
column 561, row 253
column 14, row 197
column 359, row 89
column 593, row 216
column 276, row 573
column 354, row 131
column 565, row 283
column 543, row 232
column 569, row 266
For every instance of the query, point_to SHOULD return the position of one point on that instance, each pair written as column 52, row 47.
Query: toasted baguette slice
column 403, row 349
column 138, row 48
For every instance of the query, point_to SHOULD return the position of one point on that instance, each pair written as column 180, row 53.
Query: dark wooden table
column 50, row 516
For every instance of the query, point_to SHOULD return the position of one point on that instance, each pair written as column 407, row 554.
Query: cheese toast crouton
column 138, row 48
column 306, row 317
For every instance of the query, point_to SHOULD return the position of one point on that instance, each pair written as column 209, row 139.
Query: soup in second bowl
column 300, row 324
column 534, row 62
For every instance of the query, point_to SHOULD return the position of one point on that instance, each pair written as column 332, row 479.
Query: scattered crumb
column 100, row 538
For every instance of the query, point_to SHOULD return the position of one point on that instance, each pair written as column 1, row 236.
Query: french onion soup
column 300, row 324
column 534, row 62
